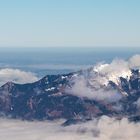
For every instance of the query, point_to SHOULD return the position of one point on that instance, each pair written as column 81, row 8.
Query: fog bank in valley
column 103, row 129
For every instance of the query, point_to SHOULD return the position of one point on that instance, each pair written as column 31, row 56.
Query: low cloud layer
column 17, row 76
column 103, row 129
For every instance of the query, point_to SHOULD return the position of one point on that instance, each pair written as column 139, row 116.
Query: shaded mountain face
column 49, row 98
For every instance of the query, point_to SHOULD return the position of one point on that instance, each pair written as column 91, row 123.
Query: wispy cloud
column 93, row 84
column 81, row 89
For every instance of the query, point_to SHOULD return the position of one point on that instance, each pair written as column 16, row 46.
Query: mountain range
column 53, row 97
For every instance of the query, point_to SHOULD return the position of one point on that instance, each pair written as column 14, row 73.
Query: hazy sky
column 69, row 23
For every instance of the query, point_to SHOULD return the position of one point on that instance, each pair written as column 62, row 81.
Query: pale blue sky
column 69, row 23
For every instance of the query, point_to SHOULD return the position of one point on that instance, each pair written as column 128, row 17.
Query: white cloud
column 117, row 68
column 103, row 129
column 99, row 76
column 17, row 76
